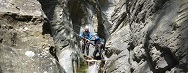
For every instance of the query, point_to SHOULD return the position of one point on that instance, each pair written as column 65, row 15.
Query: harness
column 86, row 35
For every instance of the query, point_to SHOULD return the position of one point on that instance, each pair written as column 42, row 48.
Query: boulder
column 25, row 38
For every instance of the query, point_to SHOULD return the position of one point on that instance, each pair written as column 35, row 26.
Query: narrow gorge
column 141, row 36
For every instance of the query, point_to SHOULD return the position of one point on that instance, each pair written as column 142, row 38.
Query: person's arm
column 92, row 40
column 97, row 38
column 90, row 37
column 81, row 35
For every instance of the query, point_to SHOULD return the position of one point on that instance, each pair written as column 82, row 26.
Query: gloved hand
column 88, row 41
column 82, row 37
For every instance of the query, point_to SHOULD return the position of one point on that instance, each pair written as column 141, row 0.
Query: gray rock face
column 24, row 43
column 63, row 26
column 155, row 37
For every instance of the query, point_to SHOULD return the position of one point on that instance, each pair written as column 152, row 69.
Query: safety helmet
column 86, row 27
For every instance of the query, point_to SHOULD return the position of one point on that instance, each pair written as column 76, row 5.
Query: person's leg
column 87, row 49
column 100, row 51
column 83, row 47
column 95, row 53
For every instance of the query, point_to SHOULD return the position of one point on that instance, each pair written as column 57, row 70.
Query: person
column 86, row 37
column 98, row 46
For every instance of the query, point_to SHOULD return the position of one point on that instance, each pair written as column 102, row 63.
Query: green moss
column 83, row 68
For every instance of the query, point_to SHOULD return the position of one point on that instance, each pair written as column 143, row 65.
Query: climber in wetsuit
column 86, row 37
column 98, row 46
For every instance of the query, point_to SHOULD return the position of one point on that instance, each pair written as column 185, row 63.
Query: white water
column 94, row 68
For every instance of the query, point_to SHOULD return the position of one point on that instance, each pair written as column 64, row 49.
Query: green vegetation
column 83, row 68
